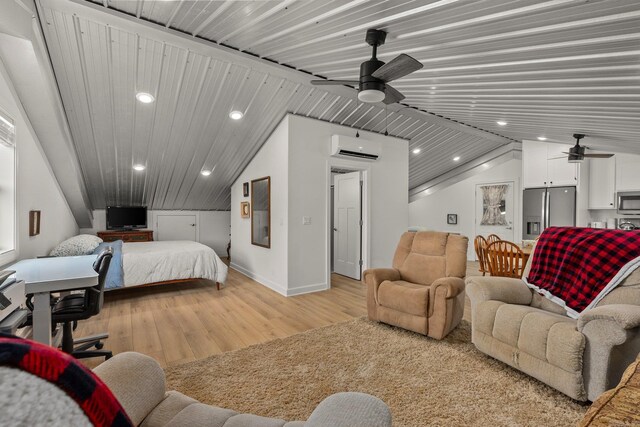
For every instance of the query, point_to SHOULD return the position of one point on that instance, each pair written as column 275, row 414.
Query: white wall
column 212, row 226
column 37, row 188
column 297, row 157
column 266, row 265
column 460, row 198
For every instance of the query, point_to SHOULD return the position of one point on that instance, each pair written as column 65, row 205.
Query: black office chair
column 74, row 307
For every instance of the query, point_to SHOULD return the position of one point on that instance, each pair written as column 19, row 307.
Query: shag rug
column 425, row 382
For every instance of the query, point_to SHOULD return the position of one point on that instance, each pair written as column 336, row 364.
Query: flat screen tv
column 126, row 218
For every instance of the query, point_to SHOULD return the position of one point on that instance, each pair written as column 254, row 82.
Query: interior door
column 176, row 227
column 347, row 225
column 502, row 227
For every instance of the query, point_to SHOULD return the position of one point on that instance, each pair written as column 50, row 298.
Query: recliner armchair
column 424, row 291
column 580, row 357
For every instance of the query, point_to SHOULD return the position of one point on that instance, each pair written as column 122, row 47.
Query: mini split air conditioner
column 355, row 148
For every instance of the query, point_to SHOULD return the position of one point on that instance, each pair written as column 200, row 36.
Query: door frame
column 365, row 236
column 517, row 207
column 156, row 214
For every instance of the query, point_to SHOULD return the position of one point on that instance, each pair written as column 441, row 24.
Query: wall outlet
column 306, row 220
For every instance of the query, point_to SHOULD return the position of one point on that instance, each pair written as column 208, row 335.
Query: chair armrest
column 350, row 410
column 136, row 380
column 505, row 289
column 626, row 316
column 376, row 276
column 453, row 286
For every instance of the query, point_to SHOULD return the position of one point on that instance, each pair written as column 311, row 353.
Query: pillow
column 83, row 244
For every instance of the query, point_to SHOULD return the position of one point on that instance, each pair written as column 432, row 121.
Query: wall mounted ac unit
column 355, row 148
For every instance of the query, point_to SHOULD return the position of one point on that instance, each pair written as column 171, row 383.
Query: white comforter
column 150, row 262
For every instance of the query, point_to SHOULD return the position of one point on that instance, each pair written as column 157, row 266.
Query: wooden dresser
column 127, row 235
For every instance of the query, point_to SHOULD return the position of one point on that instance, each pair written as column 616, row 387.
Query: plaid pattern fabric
column 575, row 264
column 61, row 369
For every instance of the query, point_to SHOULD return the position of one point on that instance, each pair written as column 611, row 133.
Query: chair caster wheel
column 99, row 346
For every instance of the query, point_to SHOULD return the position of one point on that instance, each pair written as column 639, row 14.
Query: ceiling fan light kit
column 375, row 75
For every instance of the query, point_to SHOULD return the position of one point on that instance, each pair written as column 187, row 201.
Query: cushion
column 405, row 297
column 83, row 244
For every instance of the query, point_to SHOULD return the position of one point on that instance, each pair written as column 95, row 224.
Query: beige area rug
column 425, row 382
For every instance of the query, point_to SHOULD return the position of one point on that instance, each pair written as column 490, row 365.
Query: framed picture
column 245, row 189
column 245, row 212
column 452, row 219
column 34, row 223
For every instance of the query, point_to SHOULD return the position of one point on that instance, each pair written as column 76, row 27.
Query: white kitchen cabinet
column 545, row 165
column 627, row 172
column 602, row 183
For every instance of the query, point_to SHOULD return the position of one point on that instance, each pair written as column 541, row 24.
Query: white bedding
column 150, row 262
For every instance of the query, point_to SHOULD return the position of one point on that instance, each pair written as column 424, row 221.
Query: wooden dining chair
column 505, row 259
column 493, row 238
column 480, row 245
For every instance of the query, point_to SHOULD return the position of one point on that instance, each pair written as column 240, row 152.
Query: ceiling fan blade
column 561, row 157
column 599, row 156
column 335, row 82
column 398, row 67
column 391, row 95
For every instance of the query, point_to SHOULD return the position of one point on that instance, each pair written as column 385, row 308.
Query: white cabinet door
column 602, row 183
column 627, row 172
column 534, row 164
column 560, row 172
column 176, row 227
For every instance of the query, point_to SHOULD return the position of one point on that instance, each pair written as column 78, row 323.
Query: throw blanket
column 91, row 394
column 577, row 267
column 115, row 274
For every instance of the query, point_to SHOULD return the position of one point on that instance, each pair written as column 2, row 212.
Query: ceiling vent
column 358, row 148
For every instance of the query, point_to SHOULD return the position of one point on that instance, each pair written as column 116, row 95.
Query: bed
column 161, row 262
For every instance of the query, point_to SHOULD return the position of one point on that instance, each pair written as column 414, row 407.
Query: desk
column 44, row 276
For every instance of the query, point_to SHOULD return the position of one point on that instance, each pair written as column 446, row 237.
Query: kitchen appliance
column 547, row 207
column 627, row 226
column 629, row 202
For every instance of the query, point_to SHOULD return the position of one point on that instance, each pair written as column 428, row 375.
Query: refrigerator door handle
column 542, row 216
column 547, row 219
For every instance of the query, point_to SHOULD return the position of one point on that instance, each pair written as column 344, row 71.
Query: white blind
column 7, row 130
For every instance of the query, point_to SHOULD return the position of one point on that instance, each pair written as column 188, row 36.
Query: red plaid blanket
column 576, row 264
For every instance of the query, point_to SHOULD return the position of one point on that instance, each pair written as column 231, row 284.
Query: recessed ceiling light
column 433, row 88
column 501, row 123
column 145, row 98
column 456, row 158
column 139, row 167
column 416, row 151
column 205, row 172
column 236, row 115
column 542, row 138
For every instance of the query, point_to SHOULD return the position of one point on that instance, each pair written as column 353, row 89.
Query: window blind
column 7, row 130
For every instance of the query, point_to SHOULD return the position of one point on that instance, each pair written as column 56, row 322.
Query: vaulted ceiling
column 547, row 68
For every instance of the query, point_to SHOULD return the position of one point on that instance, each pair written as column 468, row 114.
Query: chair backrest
column 424, row 256
column 505, row 259
column 493, row 238
column 94, row 297
column 480, row 245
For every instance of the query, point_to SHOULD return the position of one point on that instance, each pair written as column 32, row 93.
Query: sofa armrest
column 626, row 316
column 350, row 410
column 505, row 289
column 136, row 380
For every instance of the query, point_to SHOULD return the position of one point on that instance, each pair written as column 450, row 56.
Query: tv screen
column 119, row 217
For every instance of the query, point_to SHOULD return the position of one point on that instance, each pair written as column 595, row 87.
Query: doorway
column 176, row 227
column 496, row 209
column 346, row 222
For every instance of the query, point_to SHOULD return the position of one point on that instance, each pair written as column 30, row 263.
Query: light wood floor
column 179, row 323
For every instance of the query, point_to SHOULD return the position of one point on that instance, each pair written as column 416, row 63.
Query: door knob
column 193, row 225
column 335, row 229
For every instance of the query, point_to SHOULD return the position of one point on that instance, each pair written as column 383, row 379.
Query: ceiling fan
column 375, row 75
column 577, row 154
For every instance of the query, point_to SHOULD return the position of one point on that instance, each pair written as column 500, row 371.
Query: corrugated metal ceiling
column 548, row 68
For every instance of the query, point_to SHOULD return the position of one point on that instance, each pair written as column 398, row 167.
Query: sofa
column 580, row 357
column 138, row 383
column 424, row 291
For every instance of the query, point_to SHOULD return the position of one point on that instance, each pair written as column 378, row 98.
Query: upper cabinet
column 602, row 183
column 627, row 172
column 545, row 165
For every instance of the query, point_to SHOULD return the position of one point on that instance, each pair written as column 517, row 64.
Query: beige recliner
column 580, row 357
column 424, row 291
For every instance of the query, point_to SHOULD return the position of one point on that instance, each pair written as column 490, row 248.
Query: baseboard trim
column 282, row 290
column 307, row 289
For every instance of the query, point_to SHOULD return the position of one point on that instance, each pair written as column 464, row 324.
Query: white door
column 176, row 227
column 347, row 226
column 502, row 223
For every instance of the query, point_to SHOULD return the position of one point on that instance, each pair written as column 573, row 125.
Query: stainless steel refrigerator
column 547, row 207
